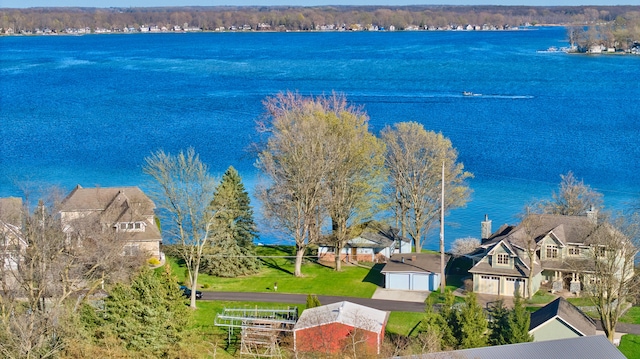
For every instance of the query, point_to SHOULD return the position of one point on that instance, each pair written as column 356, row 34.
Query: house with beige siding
column 563, row 249
column 126, row 213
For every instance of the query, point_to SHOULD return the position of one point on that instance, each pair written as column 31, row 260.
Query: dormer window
column 552, row 251
column 503, row 258
column 574, row 251
column 130, row 226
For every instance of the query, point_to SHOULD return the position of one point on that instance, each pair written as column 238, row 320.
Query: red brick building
column 338, row 327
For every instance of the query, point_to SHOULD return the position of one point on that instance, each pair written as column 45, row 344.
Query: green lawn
column 541, row 297
column 632, row 316
column 403, row 323
column 630, row 346
column 352, row 281
column 581, row 302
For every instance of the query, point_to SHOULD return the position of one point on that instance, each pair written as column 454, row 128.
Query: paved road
column 389, row 305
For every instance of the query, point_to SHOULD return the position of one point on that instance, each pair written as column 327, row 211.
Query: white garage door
column 420, row 282
column 399, row 281
column 489, row 285
column 513, row 284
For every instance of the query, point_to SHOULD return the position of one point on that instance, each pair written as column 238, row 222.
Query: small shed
column 560, row 319
column 332, row 328
column 413, row 271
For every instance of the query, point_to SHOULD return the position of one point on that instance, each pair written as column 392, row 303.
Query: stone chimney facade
column 592, row 214
column 485, row 228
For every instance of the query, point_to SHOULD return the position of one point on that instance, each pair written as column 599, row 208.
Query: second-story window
column 552, row 251
column 574, row 251
column 503, row 258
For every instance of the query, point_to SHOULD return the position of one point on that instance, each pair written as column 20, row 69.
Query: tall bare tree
column 183, row 191
column 355, row 169
column 610, row 265
column 414, row 159
column 293, row 160
column 573, row 198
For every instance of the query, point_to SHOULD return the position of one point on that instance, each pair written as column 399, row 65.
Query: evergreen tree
column 147, row 317
column 232, row 253
column 435, row 323
column 234, row 214
column 473, row 324
column 519, row 320
column 499, row 326
column 312, row 301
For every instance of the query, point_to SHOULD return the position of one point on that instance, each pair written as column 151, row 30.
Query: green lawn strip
column 631, row 316
column 630, row 346
column 352, row 281
column 541, row 297
column 581, row 302
column 403, row 323
column 436, row 298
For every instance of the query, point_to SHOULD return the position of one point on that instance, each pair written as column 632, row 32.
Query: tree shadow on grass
column 273, row 263
column 374, row 276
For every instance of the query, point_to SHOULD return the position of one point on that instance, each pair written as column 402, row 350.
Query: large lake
column 87, row 110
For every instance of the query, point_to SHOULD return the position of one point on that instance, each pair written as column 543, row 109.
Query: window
column 503, row 258
column 600, row 251
column 574, row 251
column 552, row 251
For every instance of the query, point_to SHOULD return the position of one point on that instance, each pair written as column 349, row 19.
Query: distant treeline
column 297, row 18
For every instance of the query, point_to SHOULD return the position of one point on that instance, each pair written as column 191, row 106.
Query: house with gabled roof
column 12, row 242
column 371, row 241
column 328, row 329
column 561, row 247
column 560, row 319
column 125, row 211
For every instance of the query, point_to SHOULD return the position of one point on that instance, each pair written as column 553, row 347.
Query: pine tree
column 233, row 209
column 519, row 320
column 499, row 326
column 473, row 324
column 313, row 301
column 232, row 253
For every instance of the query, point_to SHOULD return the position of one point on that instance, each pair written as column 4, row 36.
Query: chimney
column 486, row 228
column 592, row 214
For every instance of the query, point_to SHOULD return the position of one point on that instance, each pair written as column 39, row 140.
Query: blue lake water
column 87, row 110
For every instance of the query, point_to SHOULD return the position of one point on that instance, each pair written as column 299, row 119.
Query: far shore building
column 125, row 212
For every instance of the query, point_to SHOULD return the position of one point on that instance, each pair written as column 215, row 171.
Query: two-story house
column 12, row 243
column 125, row 212
column 561, row 247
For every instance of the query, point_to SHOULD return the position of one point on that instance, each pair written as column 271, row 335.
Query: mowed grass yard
column 278, row 266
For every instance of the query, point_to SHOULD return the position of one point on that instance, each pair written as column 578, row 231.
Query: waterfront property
column 12, row 243
column 372, row 242
column 120, row 213
column 563, row 249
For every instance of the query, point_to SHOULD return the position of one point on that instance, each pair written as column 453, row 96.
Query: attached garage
column 489, row 285
column 512, row 285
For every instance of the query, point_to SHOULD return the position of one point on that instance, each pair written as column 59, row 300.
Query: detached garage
column 414, row 271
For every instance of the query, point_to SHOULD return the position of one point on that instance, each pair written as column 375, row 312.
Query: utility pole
column 442, row 263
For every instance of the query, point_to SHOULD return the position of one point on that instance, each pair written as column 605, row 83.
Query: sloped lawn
column 319, row 279
column 630, row 346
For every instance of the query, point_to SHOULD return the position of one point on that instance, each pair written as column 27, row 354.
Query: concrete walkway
column 401, row 295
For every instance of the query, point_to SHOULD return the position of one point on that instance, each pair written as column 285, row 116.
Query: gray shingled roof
column 375, row 234
column 351, row 314
column 424, row 262
column 11, row 210
column 566, row 312
column 596, row 346
column 112, row 205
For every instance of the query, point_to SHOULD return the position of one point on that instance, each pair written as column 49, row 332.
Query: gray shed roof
column 567, row 312
column 351, row 314
column 414, row 262
column 596, row 346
